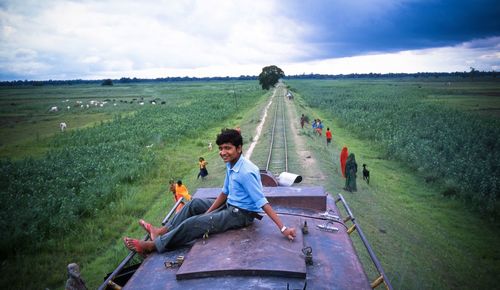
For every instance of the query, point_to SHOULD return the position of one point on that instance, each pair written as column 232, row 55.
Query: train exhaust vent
column 288, row 179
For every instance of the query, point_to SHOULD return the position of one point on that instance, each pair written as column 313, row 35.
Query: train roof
column 259, row 257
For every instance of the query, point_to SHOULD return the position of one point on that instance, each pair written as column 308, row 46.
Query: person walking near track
column 203, row 168
column 351, row 168
column 328, row 135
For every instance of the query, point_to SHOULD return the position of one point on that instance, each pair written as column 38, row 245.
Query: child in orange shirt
column 179, row 190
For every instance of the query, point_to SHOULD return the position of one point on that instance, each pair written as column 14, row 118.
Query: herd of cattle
column 98, row 104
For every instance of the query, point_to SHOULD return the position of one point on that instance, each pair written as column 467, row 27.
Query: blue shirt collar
column 237, row 166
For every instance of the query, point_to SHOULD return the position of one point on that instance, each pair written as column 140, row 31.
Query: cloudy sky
column 80, row 39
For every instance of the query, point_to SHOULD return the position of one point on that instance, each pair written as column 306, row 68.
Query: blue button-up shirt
column 243, row 186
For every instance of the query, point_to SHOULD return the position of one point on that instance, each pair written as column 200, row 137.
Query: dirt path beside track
column 311, row 172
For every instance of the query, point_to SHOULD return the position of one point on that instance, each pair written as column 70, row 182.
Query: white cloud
column 123, row 38
column 136, row 36
column 445, row 59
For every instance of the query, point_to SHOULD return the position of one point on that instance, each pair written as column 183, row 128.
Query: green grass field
column 423, row 239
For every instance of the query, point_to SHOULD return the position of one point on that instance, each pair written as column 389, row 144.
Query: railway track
column 277, row 159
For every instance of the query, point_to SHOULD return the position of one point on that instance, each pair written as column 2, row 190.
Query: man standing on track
column 240, row 201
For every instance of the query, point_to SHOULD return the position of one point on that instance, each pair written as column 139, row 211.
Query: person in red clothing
column 328, row 135
column 343, row 159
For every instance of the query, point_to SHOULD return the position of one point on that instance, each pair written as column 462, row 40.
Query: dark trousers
column 192, row 223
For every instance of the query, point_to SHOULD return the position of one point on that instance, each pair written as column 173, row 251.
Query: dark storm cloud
column 347, row 28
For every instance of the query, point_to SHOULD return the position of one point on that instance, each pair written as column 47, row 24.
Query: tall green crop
column 456, row 146
column 79, row 175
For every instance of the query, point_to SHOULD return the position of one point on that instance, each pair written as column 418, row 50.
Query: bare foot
column 138, row 246
column 152, row 231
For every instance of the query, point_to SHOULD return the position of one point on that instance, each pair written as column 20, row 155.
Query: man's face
column 229, row 153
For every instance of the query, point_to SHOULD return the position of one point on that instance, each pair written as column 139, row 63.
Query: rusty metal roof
column 259, row 257
column 256, row 250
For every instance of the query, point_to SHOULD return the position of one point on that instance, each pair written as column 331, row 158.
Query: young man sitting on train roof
column 237, row 205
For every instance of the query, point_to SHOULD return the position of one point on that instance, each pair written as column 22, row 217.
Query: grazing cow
column 149, row 146
column 63, row 126
column 366, row 174
column 210, row 146
column 53, row 109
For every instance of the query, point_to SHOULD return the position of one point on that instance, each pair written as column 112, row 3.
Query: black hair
column 229, row 136
column 179, row 182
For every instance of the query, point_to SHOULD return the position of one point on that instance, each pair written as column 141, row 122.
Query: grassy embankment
column 95, row 243
column 423, row 240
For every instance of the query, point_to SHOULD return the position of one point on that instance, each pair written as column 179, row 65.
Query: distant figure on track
column 328, row 135
column 240, row 201
column 302, row 121
column 319, row 127
column 351, row 168
column 203, row 168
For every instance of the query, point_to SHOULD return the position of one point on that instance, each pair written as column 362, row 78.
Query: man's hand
column 289, row 233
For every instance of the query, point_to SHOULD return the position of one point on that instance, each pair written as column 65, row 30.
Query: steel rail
column 284, row 137
column 132, row 254
column 272, row 138
column 279, row 103
column 383, row 278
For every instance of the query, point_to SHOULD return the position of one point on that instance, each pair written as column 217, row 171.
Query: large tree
column 269, row 76
column 107, row 82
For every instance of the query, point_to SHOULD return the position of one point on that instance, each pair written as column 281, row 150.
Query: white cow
column 63, row 126
column 53, row 109
column 210, row 146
